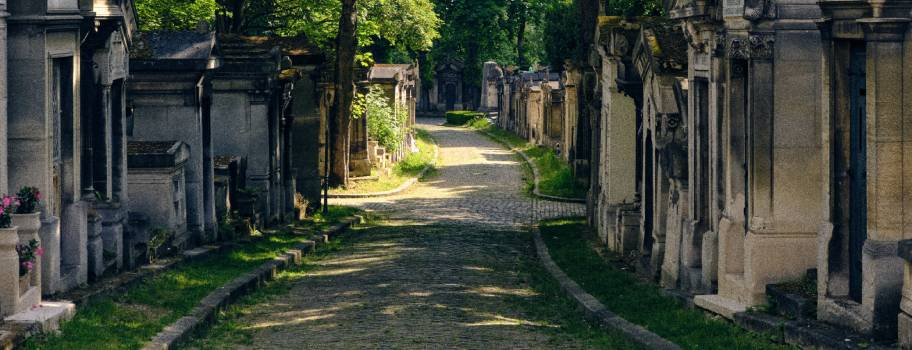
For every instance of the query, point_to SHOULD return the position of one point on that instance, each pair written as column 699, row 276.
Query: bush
column 462, row 117
column 385, row 124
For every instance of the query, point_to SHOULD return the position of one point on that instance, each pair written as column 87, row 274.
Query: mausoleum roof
column 182, row 45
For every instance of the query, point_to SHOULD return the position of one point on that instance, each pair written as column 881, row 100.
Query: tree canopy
column 408, row 25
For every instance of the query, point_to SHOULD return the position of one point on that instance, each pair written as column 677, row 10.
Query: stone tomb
column 158, row 188
column 171, row 86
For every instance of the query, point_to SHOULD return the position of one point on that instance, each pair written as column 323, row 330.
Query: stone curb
column 204, row 314
column 535, row 174
column 408, row 183
column 594, row 310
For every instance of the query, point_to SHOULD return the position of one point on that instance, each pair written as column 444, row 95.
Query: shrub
column 462, row 117
column 384, row 123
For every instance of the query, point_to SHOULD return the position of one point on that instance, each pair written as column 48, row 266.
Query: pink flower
column 29, row 265
column 38, row 195
column 7, row 201
column 39, row 251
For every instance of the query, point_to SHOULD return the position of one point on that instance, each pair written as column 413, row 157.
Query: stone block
column 717, row 304
column 50, row 262
column 710, row 258
column 95, row 248
column 904, row 334
column 48, row 315
column 74, row 258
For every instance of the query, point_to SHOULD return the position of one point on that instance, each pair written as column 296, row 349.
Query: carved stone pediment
column 757, row 46
column 761, row 45
column 737, row 48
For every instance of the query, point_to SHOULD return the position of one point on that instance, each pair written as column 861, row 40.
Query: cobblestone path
column 479, row 182
column 449, row 270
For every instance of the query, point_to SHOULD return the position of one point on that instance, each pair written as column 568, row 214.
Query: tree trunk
column 340, row 125
column 521, row 37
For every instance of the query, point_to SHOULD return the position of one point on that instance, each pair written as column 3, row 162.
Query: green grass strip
column 128, row 320
column 556, row 176
column 411, row 166
column 638, row 301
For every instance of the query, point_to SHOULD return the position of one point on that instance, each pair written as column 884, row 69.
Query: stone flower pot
column 28, row 224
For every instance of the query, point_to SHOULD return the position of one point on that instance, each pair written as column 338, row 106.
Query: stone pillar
column 50, row 262
column 4, row 184
column 888, row 142
column 95, row 248
column 9, row 272
column 107, row 135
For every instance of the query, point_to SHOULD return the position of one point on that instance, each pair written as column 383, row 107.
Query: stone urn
column 28, row 224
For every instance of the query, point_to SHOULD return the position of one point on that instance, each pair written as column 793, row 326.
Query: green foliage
column 174, row 14
column 159, row 238
column 385, row 124
column 634, row 8
column 407, row 25
column 555, row 176
column 561, row 33
column 462, row 117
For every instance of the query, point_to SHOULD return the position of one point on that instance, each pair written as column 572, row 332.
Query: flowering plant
column 8, row 204
column 28, row 199
column 28, row 253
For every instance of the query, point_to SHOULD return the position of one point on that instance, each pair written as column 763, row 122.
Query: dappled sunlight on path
column 478, row 182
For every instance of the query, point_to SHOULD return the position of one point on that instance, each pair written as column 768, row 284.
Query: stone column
column 888, row 142
column 107, row 134
column 4, row 183
column 9, row 272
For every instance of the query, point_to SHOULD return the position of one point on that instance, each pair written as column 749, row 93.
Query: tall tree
column 340, row 126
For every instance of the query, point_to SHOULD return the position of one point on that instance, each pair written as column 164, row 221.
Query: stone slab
column 720, row 305
column 47, row 316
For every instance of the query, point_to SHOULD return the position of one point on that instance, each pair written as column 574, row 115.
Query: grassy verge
column 550, row 306
column 637, row 301
column 408, row 168
column 127, row 320
column 228, row 332
column 556, row 176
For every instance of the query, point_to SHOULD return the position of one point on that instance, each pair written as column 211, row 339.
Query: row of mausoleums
column 733, row 148
column 143, row 143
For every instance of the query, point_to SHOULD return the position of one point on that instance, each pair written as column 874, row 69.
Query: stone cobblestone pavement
column 479, row 182
column 446, row 271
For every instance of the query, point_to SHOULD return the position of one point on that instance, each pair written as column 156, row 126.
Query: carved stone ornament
column 719, row 44
column 621, row 46
column 755, row 10
column 738, row 49
column 761, row 45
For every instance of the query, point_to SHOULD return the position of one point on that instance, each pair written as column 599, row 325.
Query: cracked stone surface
column 445, row 271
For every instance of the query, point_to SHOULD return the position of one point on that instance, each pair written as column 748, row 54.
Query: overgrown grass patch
column 406, row 169
column 556, row 177
column 638, row 301
column 462, row 117
column 127, row 320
